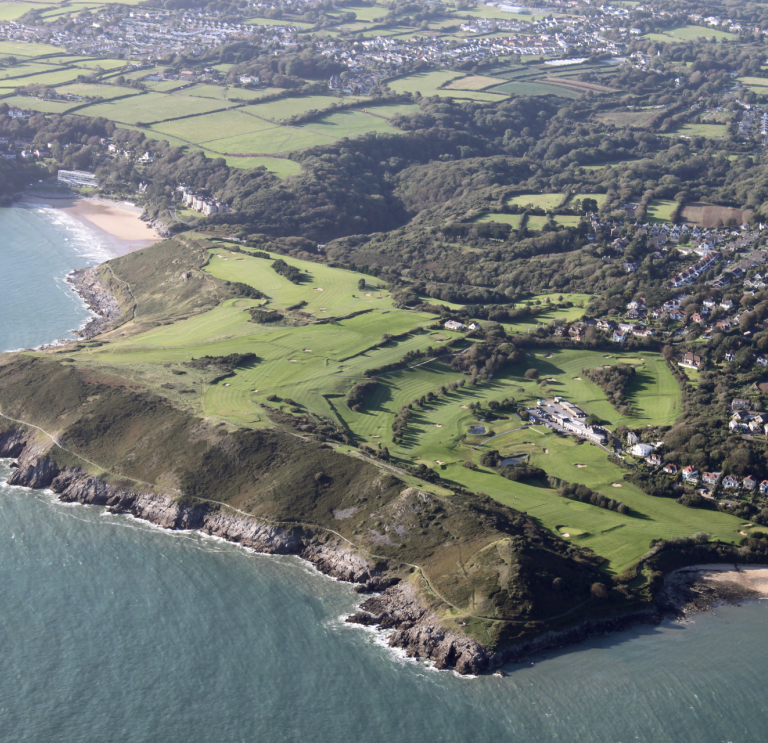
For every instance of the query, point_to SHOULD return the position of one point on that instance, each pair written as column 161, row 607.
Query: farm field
column 23, row 49
column 200, row 129
column 709, row 215
column 43, row 106
column 428, row 84
column 12, row 11
column 661, row 211
column 272, row 22
column 512, row 219
column 472, row 82
column 91, row 90
column 537, row 222
column 285, row 108
column 152, row 107
column 598, row 197
column 280, row 166
column 537, row 200
column 688, row 33
column 101, row 64
column 388, row 110
column 51, row 76
column 710, row 131
column 523, row 87
column 274, row 141
column 228, row 93
column 20, row 71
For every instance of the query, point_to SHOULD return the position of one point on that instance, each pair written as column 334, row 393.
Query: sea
column 112, row 629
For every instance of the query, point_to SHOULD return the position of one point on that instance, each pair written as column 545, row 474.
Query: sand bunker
column 438, row 425
column 307, row 350
column 465, row 407
column 226, row 384
column 566, row 534
column 550, row 356
column 546, row 451
column 578, row 379
column 615, row 484
column 254, row 390
column 293, row 361
column 367, row 295
column 581, row 466
column 437, row 461
column 551, row 379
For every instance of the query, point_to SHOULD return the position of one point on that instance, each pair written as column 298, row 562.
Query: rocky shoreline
column 87, row 284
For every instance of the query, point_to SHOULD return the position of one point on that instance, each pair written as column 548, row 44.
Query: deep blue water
column 113, row 630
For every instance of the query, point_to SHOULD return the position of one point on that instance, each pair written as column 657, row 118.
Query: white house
column 641, row 450
column 453, row 325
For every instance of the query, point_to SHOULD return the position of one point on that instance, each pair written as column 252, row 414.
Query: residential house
column 730, row 482
column 764, row 487
column 690, row 473
column 749, row 483
column 453, row 325
column 670, row 468
column 710, row 478
column 641, row 450
column 619, row 337
column 691, row 361
column 730, row 356
column 653, row 460
column 740, row 404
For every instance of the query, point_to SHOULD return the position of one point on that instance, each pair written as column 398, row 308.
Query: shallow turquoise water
column 113, row 630
column 38, row 248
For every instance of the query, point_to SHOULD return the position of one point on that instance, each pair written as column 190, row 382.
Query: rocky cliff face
column 399, row 607
column 98, row 298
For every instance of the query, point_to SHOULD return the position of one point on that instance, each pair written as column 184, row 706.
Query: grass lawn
column 349, row 123
column 661, row 210
column 537, row 222
column 101, row 64
column 51, row 76
column 710, row 131
column 273, row 141
column 689, row 33
column 388, row 110
column 35, row 104
column 538, row 200
column 598, row 197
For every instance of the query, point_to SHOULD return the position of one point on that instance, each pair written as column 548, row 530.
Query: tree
column 361, row 284
column 532, row 374
column 599, row 591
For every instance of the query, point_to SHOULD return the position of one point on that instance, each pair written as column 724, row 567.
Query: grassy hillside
column 328, row 331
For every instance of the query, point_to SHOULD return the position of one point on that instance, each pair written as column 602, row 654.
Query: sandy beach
column 117, row 222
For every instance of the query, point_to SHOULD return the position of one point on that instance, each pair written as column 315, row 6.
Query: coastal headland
column 139, row 417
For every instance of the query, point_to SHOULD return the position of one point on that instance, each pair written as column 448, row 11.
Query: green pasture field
column 151, row 134
column 598, row 197
column 274, row 141
column 23, row 49
column 285, row 108
column 660, row 211
column 12, row 11
column 52, row 76
column 229, row 92
column 364, row 13
column 273, row 22
column 689, row 33
column 165, row 86
column 279, row 139
column 200, row 129
column 710, row 131
column 92, row 90
column 428, row 84
column 511, row 219
column 28, row 103
column 623, row 118
column 538, row 200
column 23, row 69
column 388, row 110
column 103, row 64
column 537, row 222
column 349, row 123
column 152, row 107
column 280, row 166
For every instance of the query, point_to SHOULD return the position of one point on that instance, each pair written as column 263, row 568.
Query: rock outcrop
column 99, row 300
